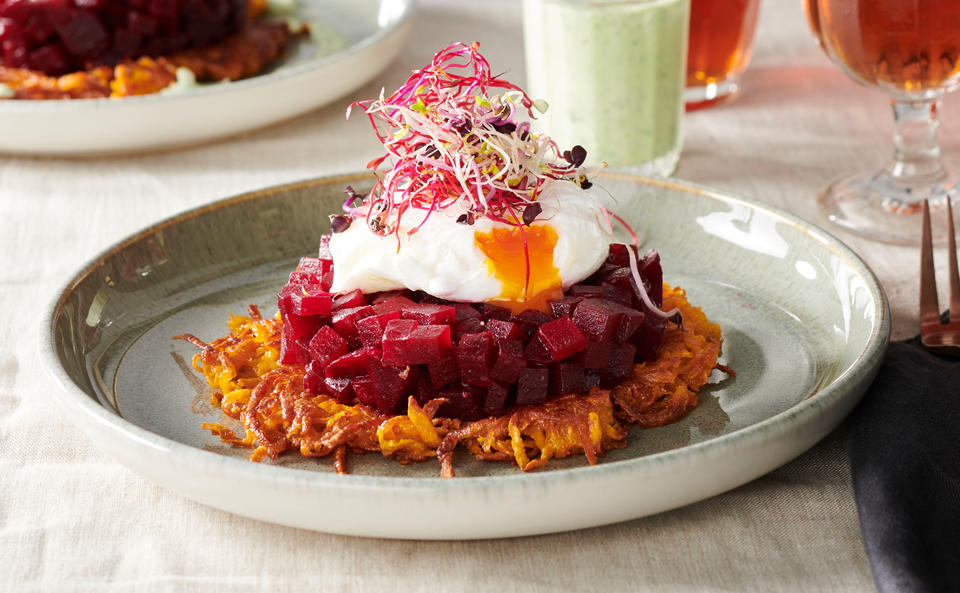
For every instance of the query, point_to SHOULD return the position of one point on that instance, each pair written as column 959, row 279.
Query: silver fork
column 933, row 333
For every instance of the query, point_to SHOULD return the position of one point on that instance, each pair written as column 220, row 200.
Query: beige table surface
column 72, row 519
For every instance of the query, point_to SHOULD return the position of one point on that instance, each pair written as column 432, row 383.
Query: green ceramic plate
column 805, row 325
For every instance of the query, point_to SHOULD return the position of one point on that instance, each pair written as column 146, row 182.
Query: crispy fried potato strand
column 279, row 415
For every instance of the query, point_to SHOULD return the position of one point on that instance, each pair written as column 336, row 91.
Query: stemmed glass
column 911, row 51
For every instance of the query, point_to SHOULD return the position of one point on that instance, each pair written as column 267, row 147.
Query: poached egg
column 482, row 262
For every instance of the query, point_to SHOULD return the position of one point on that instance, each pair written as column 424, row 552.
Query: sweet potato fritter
column 244, row 54
column 279, row 415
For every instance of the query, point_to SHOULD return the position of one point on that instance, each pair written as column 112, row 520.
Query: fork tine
column 929, row 309
column 954, row 274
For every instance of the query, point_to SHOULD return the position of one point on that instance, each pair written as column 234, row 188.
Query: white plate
column 805, row 326
column 372, row 31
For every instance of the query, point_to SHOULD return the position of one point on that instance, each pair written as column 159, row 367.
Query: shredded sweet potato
column 279, row 415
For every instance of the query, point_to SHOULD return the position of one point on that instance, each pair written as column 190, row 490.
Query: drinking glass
column 612, row 73
column 718, row 50
column 910, row 50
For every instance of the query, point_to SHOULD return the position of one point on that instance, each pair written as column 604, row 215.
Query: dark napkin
column 904, row 448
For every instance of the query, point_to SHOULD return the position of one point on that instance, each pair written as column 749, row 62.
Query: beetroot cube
column 496, row 400
column 340, row 389
column 566, row 378
column 561, row 338
column 591, row 379
column 429, row 314
column 308, row 301
column 464, row 402
column 300, row 326
column 531, row 319
column 629, row 324
column 370, row 329
column 444, row 371
column 563, row 307
column 313, row 379
column 598, row 319
column 291, row 352
column 424, row 390
column 618, row 256
column 596, row 355
column 326, row 345
column 353, row 364
column 621, row 361
column 465, row 311
column 532, row 386
column 510, row 361
column 345, row 322
column 537, row 352
column 314, row 268
column 469, row 325
column 621, row 295
column 391, row 301
column 505, row 330
column 364, row 389
column 586, row 291
column 349, row 300
column 494, row 312
column 405, row 343
column 475, row 354
column 389, row 386
column 298, row 278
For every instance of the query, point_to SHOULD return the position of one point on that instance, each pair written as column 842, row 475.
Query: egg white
column 442, row 258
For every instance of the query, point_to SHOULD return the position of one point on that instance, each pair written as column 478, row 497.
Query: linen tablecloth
column 73, row 519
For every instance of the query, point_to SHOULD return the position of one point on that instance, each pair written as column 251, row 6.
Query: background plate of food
column 64, row 92
column 804, row 323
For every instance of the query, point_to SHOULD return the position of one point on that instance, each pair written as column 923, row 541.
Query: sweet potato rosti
column 279, row 415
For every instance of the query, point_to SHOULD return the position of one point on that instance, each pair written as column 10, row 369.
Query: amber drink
column 719, row 48
column 911, row 51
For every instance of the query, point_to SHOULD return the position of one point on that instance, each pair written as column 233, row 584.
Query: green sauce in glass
column 613, row 75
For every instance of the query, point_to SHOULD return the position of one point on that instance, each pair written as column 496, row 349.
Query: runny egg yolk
column 509, row 251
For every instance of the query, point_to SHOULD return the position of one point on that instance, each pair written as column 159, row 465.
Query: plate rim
column 828, row 396
column 20, row 106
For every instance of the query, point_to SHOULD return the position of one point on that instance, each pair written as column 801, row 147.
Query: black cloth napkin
column 904, row 445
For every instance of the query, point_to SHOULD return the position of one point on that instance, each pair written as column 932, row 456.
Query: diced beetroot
column 566, row 378
column 424, row 390
column 444, row 371
column 629, row 324
column 345, row 322
column 290, row 350
column 531, row 319
column 647, row 339
column 314, row 268
column 326, row 345
column 364, row 389
column 370, row 329
column 464, row 402
column 618, row 256
column 352, row 364
column 621, row 361
column 596, row 355
column 537, row 352
column 428, row 314
column 349, row 300
column 340, row 389
column 324, row 251
column 389, row 302
column 618, row 294
column 405, row 343
column 563, row 307
column 561, row 338
column 510, row 361
column 475, row 354
column 496, row 400
column 532, row 386
column 298, row 278
column 465, row 311
column 301, row 326
column 591, row 379
column 505, row 330
column 648, row 336
column 309, row 301
column 469, row 325
column 586, row 291
column 389, row 386
column 494, row 312
column 327, row 281
column 598, row 319
column 313, row 379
